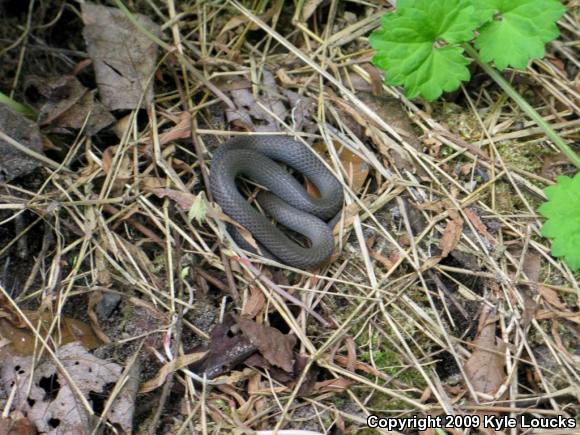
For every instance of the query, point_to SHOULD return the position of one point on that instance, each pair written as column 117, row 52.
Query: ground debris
column 52, row 402
column 13, row 162
column 124, row 58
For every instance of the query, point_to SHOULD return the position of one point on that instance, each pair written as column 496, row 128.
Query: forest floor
column 124, row 305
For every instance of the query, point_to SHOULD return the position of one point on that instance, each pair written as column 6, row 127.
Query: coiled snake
column 287, row 202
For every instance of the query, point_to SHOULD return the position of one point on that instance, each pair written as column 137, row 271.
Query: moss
column 389, row 363
column 526, row 156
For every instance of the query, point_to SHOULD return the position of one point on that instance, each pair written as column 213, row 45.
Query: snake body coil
column 288, row 203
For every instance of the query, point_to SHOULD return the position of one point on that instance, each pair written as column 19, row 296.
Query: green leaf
column 519, row 30
column 418, row 45
column 563, row 213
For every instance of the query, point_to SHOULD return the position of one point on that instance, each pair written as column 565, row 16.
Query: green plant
column 422, row 46
column 562, row 212
column 17, row 107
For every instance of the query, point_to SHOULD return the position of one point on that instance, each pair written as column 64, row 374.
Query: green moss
column 389, row 363
column 526, row 156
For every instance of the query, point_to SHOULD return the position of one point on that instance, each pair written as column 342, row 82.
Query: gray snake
column 287, row 202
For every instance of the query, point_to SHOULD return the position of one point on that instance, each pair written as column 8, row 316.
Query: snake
column 260, row 158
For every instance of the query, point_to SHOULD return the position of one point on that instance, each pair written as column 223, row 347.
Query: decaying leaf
column 14, row 163
column 50, row 402
column 451, row 236
column 172, row 366
column 258, row 112
column 238, row 20
column 480, row 226
column 272, row 344
column 224, row 351
column 485, row 369
column 552, row 297
column 64, row 102
column 333, row 385
column 16, row 424
column 254, row 304
column 184, row 200
column 23, row 341
column 124, row 58
column 356, row 168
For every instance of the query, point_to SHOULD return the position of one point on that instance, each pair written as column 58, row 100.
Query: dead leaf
column 16, row 424
column 181, row 130
column 339, row 385
column 451, row 236
column 124, row 58
column 254, row 304
column 49, row 401
column 23, row 342
column 272, row 344
column 552, row 297
column 14, row 163
column 184, row 200
column 224, row 351
column 172, row 366
column 485, row 368
column 260, row 111
column 64, row 102
column 357, row 169
column 479, row 226
column 309, row 8
column 238, row 20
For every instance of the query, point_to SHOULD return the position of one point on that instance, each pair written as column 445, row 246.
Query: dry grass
column 403, row 326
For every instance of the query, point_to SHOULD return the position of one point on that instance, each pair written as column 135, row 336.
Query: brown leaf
column 224, row 351
column 67, row 103
column 272, row 344
column 45, row 396
column 68, row 330
column 254, row 304
column 356, row 168
column 451, row 236
column 552, row 297
column 14, row 163
column 181, row 130
column 124, row 58
column 479, row 226
column 485, row 367
column 531, row 265
column 172, row 366
column 16, row 424
column 183, row 199
column 339, row 385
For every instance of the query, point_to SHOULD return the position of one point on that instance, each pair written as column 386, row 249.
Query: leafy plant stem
column 525, row 106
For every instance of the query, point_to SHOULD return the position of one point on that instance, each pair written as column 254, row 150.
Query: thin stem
column 525, row 106
column 17, row 107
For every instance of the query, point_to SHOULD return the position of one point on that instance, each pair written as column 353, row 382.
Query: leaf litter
column 424, row 206
column 50, row 402
column 123, row 57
